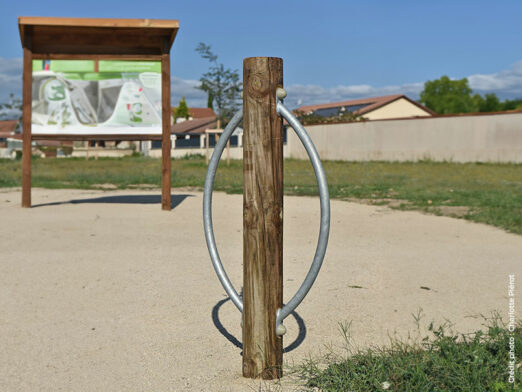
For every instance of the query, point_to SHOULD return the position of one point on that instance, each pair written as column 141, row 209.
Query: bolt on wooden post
column 262, row 217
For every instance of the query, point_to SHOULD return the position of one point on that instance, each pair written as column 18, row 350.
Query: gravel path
column 103, row 291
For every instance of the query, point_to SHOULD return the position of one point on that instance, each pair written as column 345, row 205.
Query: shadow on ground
column 121, row 199
column 232, row 339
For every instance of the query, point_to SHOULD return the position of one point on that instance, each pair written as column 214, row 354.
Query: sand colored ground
column 103, row 291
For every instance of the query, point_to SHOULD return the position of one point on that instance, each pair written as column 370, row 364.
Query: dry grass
column 487, row 193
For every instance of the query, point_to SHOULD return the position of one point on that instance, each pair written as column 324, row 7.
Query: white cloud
column 10, row 78
column 187, row 88
column 506, row 84
column 10, row 114
column 299, row 95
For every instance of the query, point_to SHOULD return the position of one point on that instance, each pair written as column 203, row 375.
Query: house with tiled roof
column 188, row 136
column 8, row 128
column 187, row 132
column 375, row 108
column 10, row 140
column 7, row 131
column 195, row 126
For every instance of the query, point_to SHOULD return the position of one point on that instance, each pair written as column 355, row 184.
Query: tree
column 514, row 104
column 182, row 111
column 445, row 96
column 210, row 100
column 222, row 85
column 488, row 103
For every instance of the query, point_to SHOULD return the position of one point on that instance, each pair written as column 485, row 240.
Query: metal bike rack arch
column 324, row 231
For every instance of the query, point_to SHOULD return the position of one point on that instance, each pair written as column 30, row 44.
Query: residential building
column 375, row 108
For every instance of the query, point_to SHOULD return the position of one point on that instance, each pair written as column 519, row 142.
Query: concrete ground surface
column 104, row 291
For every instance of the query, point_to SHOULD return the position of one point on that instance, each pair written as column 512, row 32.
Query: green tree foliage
column 491, row 103
column 210, row 100
column 488, row 103
column 182, row 111
column 514, row 104
column 222, row 85
column 446, row 96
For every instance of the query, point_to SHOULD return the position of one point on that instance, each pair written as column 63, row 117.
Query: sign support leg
column 165, row 124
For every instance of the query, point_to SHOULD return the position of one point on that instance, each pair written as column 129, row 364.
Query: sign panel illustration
column 96, row 97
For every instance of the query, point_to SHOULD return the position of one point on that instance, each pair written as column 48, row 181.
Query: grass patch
column 441, row 361
column 488, row 193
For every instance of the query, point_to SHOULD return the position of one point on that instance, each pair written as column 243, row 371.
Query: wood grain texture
column 26, row 124
column 165, row 124
column 81, row 35
column 97, row 22
column 262, row 218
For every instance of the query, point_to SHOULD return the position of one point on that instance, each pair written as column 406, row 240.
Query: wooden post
column 26, row 121
column 165, row 124
column 262, row 218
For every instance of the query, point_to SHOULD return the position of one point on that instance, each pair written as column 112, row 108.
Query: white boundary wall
column 478, row 138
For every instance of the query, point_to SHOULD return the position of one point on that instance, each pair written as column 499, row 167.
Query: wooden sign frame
column 46, row 38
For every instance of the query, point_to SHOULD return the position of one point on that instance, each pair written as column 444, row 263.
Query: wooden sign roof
column 97, row 36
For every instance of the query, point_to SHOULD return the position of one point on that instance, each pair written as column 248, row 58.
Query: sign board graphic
column 89, row 97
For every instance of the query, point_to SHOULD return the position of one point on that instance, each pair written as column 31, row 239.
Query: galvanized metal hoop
column 325, row 213
column 207, row 210
column 324, row 230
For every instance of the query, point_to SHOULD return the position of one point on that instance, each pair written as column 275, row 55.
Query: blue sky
column 332, row 50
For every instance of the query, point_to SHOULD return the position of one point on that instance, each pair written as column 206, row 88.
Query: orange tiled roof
column 7, row 128
column 194, row 127
column 372, row 104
